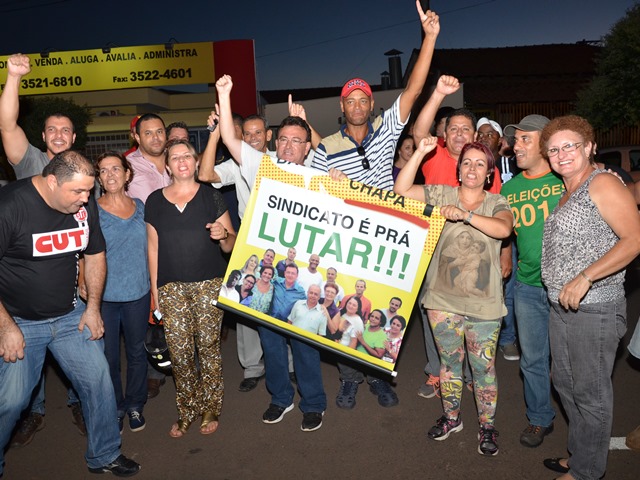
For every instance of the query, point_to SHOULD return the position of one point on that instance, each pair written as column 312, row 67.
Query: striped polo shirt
column 340, row 151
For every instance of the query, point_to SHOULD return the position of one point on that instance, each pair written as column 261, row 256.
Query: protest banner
column 365, row 233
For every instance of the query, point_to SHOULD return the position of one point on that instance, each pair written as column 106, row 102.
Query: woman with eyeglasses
column 589, row 239
column 189, row 229
column 464, row 296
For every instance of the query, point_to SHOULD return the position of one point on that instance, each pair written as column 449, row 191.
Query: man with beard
column 58, row 130
column 148, row 160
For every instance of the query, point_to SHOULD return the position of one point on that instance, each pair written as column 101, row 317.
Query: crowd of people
column 531, row 262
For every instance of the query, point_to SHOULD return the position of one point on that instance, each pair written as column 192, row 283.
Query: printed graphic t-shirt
column 39, row 251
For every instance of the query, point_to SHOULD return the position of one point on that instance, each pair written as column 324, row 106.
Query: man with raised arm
column 364, row 150
column 27, row 160
column 58, row 131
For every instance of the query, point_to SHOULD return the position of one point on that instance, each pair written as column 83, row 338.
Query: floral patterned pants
column 451, row 331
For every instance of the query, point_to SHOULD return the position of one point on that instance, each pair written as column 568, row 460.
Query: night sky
column 303, row 43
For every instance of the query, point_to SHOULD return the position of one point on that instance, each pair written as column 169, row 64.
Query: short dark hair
column 255, row 116
column 396, row 298
column 383, row 317
column 65, row 165
column 145, row 117
column 237, row 118
column 400, row 319
column 173, row 125
column 296, row 122
column 58, row 115
column 443, row 112
column 292, row 265
column 268, row 267
column 462, row 112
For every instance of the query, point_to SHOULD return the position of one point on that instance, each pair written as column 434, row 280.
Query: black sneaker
column 311, row 421
column 487, row 441
column 120, row 424
column 444, row 427
column 346, row 397
column 120, row 467
column 78, row 418
column 533, row 435
column 386, row 396
column 249, row 384
column 27, row 428
column 275, row 413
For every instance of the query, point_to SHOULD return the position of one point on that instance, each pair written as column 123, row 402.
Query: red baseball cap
column 355, row 84
column 134, row 121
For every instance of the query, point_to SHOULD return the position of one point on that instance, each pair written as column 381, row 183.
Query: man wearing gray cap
column 533, row 194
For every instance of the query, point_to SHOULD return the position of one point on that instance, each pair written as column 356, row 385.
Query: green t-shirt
column 374, row 339
column 532, row 199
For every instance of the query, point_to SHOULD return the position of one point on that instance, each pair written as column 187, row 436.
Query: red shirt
column 440, row 169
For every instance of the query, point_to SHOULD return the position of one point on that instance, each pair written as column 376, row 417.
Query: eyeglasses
column 365, row 163
column 569, row 147
column 296, row 142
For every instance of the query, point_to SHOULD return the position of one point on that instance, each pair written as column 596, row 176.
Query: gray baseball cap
column 530, row 123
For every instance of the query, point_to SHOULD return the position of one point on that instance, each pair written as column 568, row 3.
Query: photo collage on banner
column 372, row 246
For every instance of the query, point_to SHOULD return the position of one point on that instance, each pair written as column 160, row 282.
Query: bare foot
column 209, row 428
column 178, row 430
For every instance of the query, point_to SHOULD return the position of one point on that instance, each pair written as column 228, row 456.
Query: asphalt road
column 368, row 442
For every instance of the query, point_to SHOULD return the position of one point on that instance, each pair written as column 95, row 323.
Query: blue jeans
column 84, row 363
column 532, row 316
column 306, row 362
column 130, row 318
column 583, row 346
column 508, row 331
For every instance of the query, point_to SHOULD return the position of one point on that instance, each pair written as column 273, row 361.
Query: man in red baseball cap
column 132, row 129
column 363, row 150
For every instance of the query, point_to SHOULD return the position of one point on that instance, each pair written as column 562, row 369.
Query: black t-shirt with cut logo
column 39, row 251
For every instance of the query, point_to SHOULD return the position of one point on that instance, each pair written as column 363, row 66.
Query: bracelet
column 467, row 220
column 226, row 234
column 584, row 275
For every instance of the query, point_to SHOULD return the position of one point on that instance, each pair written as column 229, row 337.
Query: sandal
column 180, row 426
column 207, row 418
